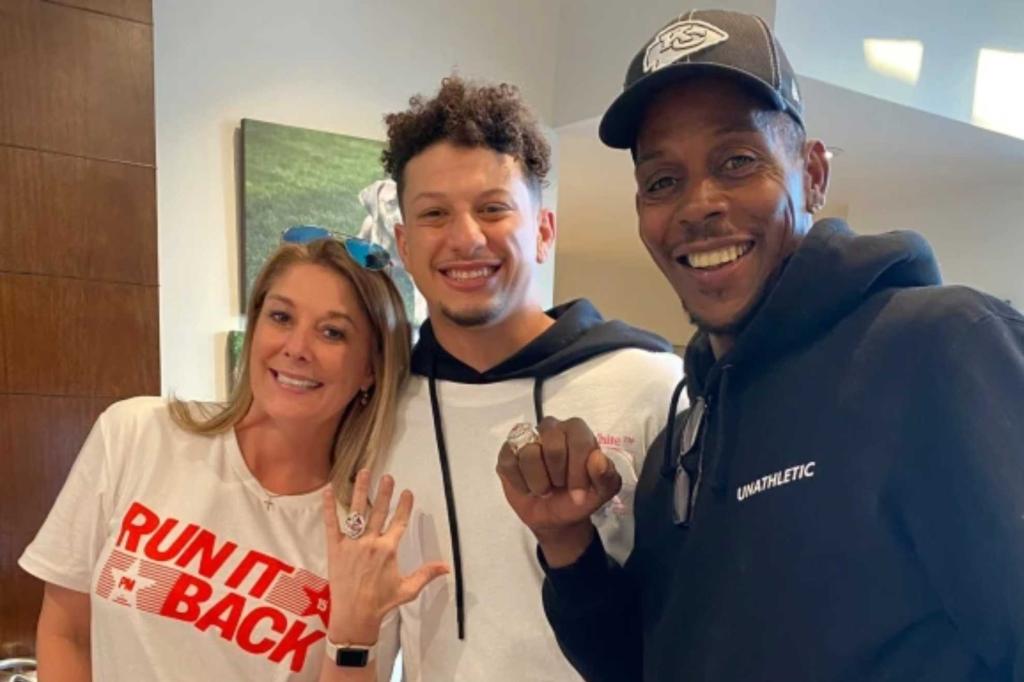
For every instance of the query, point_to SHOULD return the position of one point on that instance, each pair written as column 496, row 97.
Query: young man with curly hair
column 470, row 164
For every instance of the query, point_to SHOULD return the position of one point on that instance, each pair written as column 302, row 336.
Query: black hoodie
column 578, row 334
column 857, row 497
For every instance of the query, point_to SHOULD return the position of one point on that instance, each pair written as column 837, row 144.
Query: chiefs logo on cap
column 681, row 39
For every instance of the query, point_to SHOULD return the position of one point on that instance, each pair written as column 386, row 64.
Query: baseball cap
column 733, row 44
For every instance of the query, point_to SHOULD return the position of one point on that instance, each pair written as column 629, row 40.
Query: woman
column 202, row 542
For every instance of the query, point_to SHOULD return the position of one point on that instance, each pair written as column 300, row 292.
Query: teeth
column 711, row 259
column 296, row 383
column 470, row 274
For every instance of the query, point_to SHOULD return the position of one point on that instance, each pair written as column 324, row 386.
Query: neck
column 487, row 346
column 721, row 344
column 286, row 459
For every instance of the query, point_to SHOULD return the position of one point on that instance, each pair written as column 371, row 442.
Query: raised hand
column 555, row 483
column 363, row 568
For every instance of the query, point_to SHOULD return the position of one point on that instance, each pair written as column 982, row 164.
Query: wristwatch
column 350, row 655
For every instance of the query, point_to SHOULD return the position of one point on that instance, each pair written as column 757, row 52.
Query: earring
column 364, row 399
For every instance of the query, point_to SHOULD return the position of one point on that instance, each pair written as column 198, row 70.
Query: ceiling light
column 899, row 59
column 999, row 92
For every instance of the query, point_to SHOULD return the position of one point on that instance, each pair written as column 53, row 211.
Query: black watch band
column 350, row 655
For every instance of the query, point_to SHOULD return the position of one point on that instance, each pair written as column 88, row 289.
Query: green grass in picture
column 236, row 339
column 296, row 176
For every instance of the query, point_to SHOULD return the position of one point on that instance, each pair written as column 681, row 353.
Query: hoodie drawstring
column 538, row 391
column 671, row 446
column 449, row 498
column 449, row 492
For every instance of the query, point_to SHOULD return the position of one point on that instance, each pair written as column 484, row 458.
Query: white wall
column 334, row 65
column 598, row 38
column 975, row 231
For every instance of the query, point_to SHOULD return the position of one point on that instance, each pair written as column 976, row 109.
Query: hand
column 555, row 485
column 363, row 573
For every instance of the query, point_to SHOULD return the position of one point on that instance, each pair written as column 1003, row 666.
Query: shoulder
column 638, row 365
column 946, row 315
column 141, row 418
column 135, row 412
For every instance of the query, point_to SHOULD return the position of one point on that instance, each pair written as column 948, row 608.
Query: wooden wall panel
column 83, row 82
column 79, row 311
column 78, row 337
column 136, row 10
column 39, row 438
column 76, row 217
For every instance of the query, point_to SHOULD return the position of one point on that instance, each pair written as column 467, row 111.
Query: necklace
column 269, row 502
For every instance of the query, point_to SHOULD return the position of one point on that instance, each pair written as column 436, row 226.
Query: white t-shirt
column 623, row 396
column 193, row 571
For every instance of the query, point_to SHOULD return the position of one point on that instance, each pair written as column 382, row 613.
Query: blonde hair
column 364, row 431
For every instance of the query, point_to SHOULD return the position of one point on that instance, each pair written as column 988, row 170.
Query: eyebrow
column 331, row 314
column 442, row 195
column 737, row 128
column 647, row 156
column 429, row 195
column 725, row 129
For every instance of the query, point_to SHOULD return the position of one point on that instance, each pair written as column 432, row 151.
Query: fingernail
column 578, row 496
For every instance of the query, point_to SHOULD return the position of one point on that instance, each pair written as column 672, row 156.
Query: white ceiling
column 825, row 39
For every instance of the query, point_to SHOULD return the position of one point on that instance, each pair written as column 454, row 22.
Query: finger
column 508, row 471
column 331, row 525
column 553, row 445
column 531, row 465
column 414, row 583
column 381, row 505
column 603, row 475
column 360, row 491
column 580, row 442
column 400, row 521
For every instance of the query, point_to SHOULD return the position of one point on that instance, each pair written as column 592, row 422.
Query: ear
column 369, row 379
column 546, row 231
column 816, row 175
column 403, row 245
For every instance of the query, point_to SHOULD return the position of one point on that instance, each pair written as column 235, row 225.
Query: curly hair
column 468, row 114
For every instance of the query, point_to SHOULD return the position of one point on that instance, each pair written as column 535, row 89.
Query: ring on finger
column 354, row 525
column 521, row 435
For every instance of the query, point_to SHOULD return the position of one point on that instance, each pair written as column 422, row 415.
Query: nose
column 465, row 235
column 296, row 344
column 701, row 205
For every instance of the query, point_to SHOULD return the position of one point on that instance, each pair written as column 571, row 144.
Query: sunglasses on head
column 366, row 254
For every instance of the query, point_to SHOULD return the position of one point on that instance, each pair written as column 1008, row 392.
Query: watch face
column 352, row 658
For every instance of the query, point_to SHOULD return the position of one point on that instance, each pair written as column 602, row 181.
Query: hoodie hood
column 579, row 333
column 828, row 276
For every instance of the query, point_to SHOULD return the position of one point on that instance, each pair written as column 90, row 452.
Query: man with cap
column 844, row 500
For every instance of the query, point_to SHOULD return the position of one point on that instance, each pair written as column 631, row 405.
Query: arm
column 594, row 611
column 62, row 636
column 961, row 493
column 555, row 485
column 363, row 574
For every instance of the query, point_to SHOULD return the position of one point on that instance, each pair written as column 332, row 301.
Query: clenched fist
column 555, row 482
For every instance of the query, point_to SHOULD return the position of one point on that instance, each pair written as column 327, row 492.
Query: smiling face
column 310, row 348
column 723, row 197
column 472, row 234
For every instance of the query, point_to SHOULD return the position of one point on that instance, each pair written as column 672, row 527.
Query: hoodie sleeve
column 961, row 494
column 594, row 611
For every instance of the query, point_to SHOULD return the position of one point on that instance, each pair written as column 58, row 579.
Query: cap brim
column 621, row 121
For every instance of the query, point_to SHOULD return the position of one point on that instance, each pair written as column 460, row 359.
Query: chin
column 723, row 323
column 477, row 316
